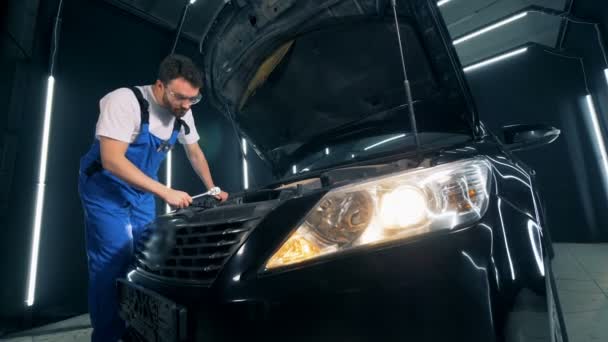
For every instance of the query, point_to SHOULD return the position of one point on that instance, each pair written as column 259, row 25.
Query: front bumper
column 433, row 288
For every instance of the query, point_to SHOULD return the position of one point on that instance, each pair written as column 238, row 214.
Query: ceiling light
column 490, row 28
column 495, row 59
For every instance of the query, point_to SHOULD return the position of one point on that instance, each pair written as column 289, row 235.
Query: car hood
column 298, row 76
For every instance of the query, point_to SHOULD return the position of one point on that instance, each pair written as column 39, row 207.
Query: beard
column 177, row 111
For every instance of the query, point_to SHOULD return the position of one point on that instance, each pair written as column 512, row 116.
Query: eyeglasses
column 179, row 97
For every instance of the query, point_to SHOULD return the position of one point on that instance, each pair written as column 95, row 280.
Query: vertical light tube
column 599, row 141
column 40, row 187
column 169, row 176
column 245, row 165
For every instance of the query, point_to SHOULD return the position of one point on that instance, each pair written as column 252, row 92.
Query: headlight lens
column 392, row 207
column 405, row 206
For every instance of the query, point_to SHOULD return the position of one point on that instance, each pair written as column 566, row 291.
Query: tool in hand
column 212, row 192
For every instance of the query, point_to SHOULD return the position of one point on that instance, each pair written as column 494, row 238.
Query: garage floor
column 581, row 272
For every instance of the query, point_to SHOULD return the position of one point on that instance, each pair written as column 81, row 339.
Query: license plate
column 153, row 316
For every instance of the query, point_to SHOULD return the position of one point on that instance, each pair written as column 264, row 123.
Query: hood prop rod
column 406, row 82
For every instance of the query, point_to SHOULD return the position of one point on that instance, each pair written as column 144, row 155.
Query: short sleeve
column 119, row 115
column 193, row 136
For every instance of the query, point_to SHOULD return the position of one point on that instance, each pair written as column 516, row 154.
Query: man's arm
column 113, row 159
column 201, row 167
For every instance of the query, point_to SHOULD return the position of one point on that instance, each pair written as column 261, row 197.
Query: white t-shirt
column 120, row 117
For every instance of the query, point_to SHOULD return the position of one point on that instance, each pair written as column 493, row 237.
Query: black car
column 393, row 217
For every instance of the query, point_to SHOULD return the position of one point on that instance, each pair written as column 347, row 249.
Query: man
column 118, row 177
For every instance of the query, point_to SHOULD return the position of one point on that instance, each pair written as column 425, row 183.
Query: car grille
column 196, row 252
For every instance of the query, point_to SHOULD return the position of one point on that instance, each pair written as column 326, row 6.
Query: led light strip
column 245, row 174
column 490, row 28
column 495, row 59
column 599, row 140
column 245, row 166
column 169, row 175
column 48, row 110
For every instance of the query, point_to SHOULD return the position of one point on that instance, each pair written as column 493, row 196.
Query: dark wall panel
column 23, row 59
column 539, row 87
column 592, row 10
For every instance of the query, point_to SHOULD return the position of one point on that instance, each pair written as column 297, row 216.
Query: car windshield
column 364, row 148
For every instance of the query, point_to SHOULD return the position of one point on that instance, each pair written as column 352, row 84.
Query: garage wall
column 23, row 55
column 592, row 10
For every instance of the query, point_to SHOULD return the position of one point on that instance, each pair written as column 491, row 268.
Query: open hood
column 298, row 76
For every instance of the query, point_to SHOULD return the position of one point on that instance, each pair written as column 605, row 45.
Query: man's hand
column 177, row 199
column 201, row 167
column 222, row 196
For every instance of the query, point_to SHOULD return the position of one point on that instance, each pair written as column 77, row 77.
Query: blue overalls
column 116, row 215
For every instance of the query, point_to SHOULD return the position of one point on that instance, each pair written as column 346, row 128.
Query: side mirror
column 525, row 137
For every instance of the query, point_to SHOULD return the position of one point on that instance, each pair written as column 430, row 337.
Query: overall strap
column 178, row 125
column 143, row 105
column 176, row 129
column 96, row 166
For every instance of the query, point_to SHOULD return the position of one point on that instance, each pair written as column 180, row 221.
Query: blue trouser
column 116, row 215
column 112, row 227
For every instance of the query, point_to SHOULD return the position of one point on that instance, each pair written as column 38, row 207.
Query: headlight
column 388, row 208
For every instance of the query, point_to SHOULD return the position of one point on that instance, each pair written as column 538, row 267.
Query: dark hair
column 176, row 66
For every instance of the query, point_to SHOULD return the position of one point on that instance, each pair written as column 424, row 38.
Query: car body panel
column 472, row 282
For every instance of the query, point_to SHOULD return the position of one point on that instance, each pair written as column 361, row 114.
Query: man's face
column 178, row 96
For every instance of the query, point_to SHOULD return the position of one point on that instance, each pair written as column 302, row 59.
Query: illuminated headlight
column 389, row 208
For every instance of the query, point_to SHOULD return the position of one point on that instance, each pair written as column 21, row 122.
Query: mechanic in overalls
column 118, row 177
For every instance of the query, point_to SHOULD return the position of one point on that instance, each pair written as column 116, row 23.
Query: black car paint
column 468, row 282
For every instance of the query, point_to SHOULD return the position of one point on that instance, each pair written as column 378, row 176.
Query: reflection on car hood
column 300, row 75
